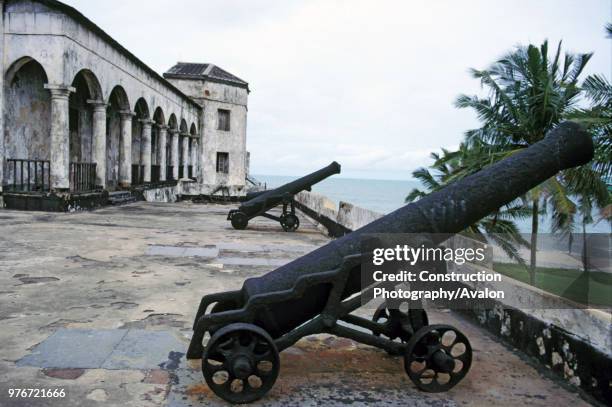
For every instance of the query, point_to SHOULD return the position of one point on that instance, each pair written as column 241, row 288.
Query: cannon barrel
column 267, row 199
column 447, row 211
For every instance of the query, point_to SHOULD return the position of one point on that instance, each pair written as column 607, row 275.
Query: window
column 224, row 120
column 223, row 163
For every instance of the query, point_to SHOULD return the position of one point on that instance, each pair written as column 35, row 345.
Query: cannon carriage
column 318, row 292
column 260, row 202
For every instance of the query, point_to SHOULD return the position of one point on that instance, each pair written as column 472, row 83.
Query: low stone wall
column 354, row 217
column 172, row 193
column 163, row 194
column 337, row 221
column 54, row 202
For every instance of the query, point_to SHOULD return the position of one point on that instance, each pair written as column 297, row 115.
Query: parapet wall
column 336, row 221
column 575, row 344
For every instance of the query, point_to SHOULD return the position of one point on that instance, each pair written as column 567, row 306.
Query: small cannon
column 312, row 294
column 259, row 203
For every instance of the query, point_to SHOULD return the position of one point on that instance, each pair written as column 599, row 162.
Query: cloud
column 369, row 84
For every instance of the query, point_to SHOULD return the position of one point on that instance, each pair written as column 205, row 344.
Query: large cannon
column 310, row 295
column 259, row 203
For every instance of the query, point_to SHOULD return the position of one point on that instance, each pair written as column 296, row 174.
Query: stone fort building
column 83, row 117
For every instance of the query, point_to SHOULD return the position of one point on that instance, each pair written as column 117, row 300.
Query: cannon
column 318, row 292
column 259, row 203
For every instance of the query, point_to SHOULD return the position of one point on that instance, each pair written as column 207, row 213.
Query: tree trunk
column 534, row 241
column 585, row 265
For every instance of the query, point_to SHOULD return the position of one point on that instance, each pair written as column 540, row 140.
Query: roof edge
column 209, row 79
column 77, row 15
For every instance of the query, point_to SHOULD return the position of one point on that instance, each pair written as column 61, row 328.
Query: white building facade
column 224, row 98
column 82, row 115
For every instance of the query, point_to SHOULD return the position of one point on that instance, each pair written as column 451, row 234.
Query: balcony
column 28, row 175
column 82, row 177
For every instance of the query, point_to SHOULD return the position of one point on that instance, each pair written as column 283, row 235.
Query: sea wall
column 569, row 340
column 336, row 221
column 572, row 342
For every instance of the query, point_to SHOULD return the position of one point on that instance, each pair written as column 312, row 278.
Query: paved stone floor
column 100, row 304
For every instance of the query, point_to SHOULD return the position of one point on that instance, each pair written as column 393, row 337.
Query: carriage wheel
column 239, row 220
column 400, row 324
column 289, row 222
column 437, row 358
column 240, row 363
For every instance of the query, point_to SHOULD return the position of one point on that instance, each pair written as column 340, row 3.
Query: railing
column 28, row 175
column 181, row 171
column 169, row 172
column 190, row 171
column 155, row 173
column 137, row 174
column 82, row 177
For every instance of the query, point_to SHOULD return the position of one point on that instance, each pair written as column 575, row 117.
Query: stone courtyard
column 100, row 304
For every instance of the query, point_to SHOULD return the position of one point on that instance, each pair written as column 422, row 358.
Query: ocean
column 385, row 196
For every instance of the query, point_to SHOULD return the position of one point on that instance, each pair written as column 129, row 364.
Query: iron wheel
column 240, row 363
column 239, row 220
column 289, row 222
column 437, row 358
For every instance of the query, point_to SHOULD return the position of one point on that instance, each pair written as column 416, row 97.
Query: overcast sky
column 369, row 84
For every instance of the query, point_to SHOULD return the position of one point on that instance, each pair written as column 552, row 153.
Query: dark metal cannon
column 259, row 203
column 311, row 294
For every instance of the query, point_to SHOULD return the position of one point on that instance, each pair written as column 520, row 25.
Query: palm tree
column 589, row 182
column 498, row 226
column 529, row 95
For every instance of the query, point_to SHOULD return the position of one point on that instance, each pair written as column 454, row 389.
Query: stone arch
column 27, row 113
column 80, row 116
column 121, row 97
column 92, row 82
column 183, row 127
column 117, row 102
column 172, row 137
column 183, row 149
column 194, row 148
column 158, row 116
column 141, row 110
column 172, row 123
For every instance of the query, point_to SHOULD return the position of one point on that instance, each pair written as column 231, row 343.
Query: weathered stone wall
column 165, row 194
column 27, row 116
column 112, row 146
column 68, row 46
column 81, row 123
column 214, row 96
column 2, row 153
column 347, row 215
column 64, row 47
column 353, row 217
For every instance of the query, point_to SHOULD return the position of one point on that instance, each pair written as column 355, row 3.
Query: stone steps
column 121, row 198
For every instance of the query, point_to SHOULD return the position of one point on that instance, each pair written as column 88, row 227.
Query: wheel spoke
column 216, row 368
column 266, row 356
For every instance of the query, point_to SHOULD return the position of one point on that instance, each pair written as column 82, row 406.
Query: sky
column 370, row 84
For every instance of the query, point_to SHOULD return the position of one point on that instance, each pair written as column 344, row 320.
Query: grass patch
column 592, row 288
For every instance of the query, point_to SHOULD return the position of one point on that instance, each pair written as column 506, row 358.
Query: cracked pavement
column 143, row 268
